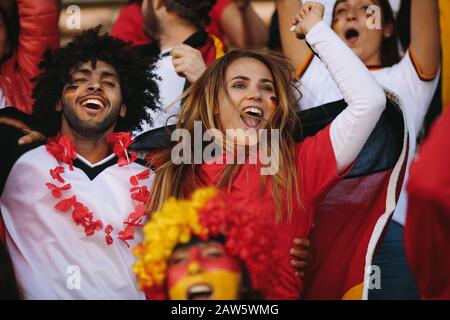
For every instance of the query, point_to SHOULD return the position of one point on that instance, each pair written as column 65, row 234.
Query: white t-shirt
column 415, row 93
column 2, row 99
column 171, row 87
column 50, row 253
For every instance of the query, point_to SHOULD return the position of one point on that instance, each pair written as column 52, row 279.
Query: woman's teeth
column 254, row 114
column 253, row 111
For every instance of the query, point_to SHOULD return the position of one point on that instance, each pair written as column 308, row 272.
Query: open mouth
column 93, row 103
column 255, row 116
column 200, row 291
column 351, row 35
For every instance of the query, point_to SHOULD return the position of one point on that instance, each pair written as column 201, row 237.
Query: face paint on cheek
column 274, row 101
column 70, row 91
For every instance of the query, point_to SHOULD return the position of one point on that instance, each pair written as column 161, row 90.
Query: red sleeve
column 129, row 25
column 316, row 165
column 38, row 31
column 217, row 9
column 427, row 229
column 216, row 15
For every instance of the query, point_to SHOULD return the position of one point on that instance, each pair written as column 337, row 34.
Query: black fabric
column 32, row 122
column 315, row 119
column 157, row 139
column 274, row 42
column 95, row 171
column 11, row 150
column 383, row 146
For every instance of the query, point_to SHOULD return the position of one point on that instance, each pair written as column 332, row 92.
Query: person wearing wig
column 74, row 203
column 369, row 28
column 27, row 29
column 254, row 89
column 206, row 248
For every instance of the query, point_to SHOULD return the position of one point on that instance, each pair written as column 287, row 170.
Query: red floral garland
column 63, row 149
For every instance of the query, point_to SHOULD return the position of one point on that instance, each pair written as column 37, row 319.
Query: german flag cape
column 350, row 221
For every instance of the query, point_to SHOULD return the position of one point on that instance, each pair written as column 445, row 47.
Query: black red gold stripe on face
column 274, row 101
column 70, row 91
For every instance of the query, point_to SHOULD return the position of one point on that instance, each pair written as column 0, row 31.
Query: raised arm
column 242, row 25
column 425, row 36
column 364, row 96
column 38, row 31
column 296, row 50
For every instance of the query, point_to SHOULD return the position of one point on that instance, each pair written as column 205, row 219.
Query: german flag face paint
column 70, row 91
column 274, row 101
column 204, row 271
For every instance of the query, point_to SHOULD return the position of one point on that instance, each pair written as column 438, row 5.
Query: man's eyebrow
column 109, row 74
column 83, row 71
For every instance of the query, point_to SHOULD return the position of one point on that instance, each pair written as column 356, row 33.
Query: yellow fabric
column 218, row 45
column 354, row 293
column 444, row 6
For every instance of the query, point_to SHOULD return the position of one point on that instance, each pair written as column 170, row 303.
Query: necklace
column 63, row 150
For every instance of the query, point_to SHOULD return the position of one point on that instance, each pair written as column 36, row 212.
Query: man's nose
column 95, row 85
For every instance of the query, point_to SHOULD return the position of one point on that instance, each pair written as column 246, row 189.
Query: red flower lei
column 63, row 149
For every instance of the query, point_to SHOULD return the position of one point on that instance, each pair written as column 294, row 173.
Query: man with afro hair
column 73, row 205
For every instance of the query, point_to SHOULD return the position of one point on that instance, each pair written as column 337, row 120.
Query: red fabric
column 216, row 17
column 208, row 51
column 129, row 25
column 316, row 167
column 344, row 224
column 38, row 31
column 427, row 229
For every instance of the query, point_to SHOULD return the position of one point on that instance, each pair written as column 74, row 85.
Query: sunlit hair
column 201, row 101
column 389, row 46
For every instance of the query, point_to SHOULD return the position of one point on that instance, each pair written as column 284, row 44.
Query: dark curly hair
column 138, row 85
column 196, row 11
column 11, row 19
